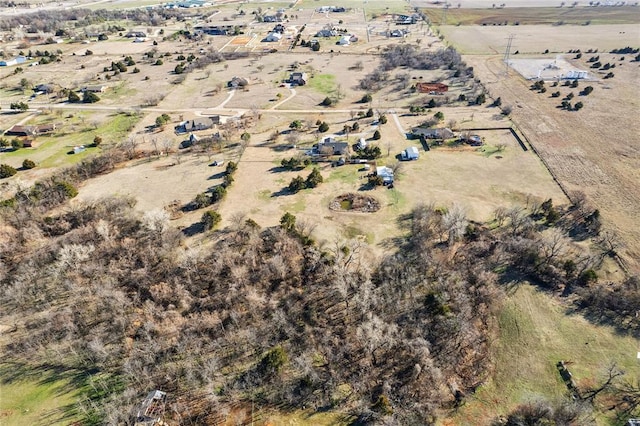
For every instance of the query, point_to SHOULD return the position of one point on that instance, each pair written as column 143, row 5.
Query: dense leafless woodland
column 265, row 317
column 51, row 20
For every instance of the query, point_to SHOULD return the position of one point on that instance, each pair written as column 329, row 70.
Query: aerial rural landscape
column 312, row 213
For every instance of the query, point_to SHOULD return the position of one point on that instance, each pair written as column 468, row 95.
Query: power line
column 507, row 53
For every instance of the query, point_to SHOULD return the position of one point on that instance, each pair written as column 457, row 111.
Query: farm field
column 535, row 39
column 535, row 13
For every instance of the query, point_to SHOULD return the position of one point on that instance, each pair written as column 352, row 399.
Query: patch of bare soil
column 355, row 203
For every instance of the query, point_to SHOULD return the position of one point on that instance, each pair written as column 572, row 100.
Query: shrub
column 273, row 361
column 587, row 90
column 369, row 113
column 201, row 200
column 376, row 135
column 17, row 144
column 480, row 99
column 158, row 62
column 383, row 119
column 210, row 219
column 97, row 140
column 366, row 98
column 7, row 171
column 28, row 164
column 288, row 222
column 67, row 189
column 314, row 179
column 326, row 101
column 578, row 106
column 438, row 116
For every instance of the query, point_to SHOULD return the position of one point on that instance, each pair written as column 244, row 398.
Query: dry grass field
column 535, row 39
column 535, row 13
column 591, row 150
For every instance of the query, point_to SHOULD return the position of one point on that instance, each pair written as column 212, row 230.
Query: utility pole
column 444, row 14
column 507, row 53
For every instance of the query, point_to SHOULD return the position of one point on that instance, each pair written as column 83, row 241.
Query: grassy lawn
column 537, row 15
column 323, row 83
column 40, row 397
column 53, row 150
column 535, row 333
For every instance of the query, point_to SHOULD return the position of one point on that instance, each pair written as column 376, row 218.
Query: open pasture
column 535, row 39
column 535, row 13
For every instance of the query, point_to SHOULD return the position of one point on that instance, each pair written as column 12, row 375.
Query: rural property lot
column 591, row 150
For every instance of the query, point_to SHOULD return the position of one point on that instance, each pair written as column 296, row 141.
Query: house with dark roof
column 22, row 131
column 298, row 78
column 330, row 146
column 197, row 124
column 441, row 133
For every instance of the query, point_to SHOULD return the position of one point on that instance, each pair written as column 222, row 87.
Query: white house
column 345, row 40
column 386, row 174
column 274, row 36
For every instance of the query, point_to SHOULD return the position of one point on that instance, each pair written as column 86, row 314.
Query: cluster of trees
column 295, row 163
column 50, row 21
column 298, row 183
column 370, row 152
column 215, row 194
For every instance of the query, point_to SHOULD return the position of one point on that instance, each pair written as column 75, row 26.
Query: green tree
column 383, row 119
column 231, row 167
column 218, row 193
column 19, row 106
column 179, row 69
column 297, row 184
column 323, row 127
column 578, row 106
column 314, row 179
column 158, row 62
column 97, row 140
column 210, row 219
column 246, row 136
column 327, row 101
column 7, row 171
column 366, row 98
column 17, row 144
column 376, row 135
column 273, row 361
column 369, row 113
column 28, row 164
column 201, row 200
column 431, row 103
column 438, row 116
column 90, row 97
column 480, row 99
column 73, row 97
column 296, row 124
column 288, row 222
column 587, row 90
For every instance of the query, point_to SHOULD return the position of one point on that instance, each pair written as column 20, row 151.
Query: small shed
column 410, row 153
